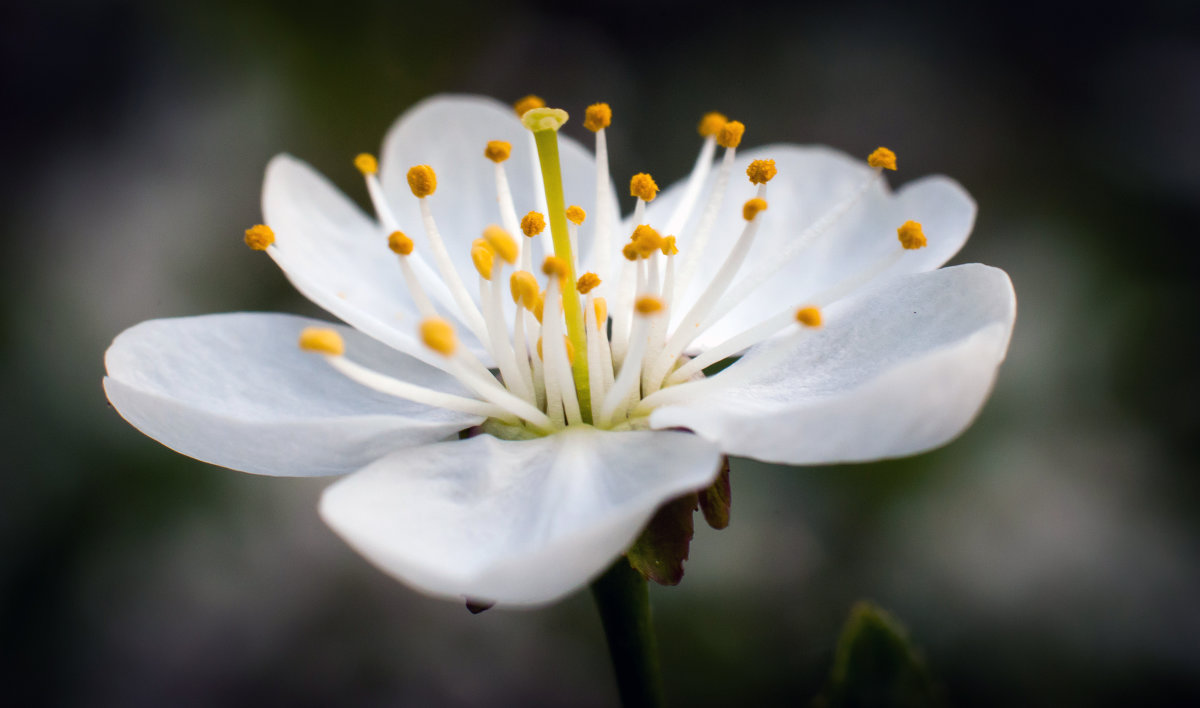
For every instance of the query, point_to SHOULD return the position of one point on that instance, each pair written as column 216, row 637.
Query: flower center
column 557, row 359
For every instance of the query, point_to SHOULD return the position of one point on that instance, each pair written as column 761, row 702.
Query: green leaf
column 716, row 499
column 875, row 665
column 660, row 551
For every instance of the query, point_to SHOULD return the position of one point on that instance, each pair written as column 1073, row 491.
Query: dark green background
column 1047, row 557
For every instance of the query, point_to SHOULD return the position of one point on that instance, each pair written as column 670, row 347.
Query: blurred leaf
column 662, row 548
column 876, row 666
column 716, row 499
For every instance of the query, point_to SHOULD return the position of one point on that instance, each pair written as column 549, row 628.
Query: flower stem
column 623, row 600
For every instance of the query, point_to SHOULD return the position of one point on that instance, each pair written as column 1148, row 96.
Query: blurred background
column 1047, row 557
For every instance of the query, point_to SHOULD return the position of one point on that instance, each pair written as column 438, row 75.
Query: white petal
column 449, row 134
column 515, row 522
column 236, row 390
column 811, row 181
column 893, row 372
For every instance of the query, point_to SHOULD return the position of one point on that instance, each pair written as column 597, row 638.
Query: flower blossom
column 521, row 383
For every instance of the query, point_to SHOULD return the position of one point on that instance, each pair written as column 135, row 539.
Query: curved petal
column 895, row 371
column 235, row 390
column 516, row 522
column 449, row 133
column 811, row 182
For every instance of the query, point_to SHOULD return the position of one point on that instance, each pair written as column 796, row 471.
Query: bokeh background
column 1047, row 557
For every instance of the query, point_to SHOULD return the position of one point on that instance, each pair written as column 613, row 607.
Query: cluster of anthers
column 563, row 357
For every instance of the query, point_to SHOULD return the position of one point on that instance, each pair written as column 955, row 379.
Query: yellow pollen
column 587, row 282
column 366, row 163
column 630, row 252
column 911, row 235
column 566, row 342
column 539, row 119
column 553, row 265
column 422, row 181
column 524, row 288
column 497, row 150
column 643, row 187
column 527, row 104
column 576, row 215
column 712, row 123
column 601, row 312
column 533, row 224
column 399, row 243
column 259, row 237
column 809, row 316
column 502, row 243
column 668, row 246
column 483, row 258
column 646, row 240
column 753, row 207
column 648, row 305
column 322, row 341
column 598, row 117
column 761, row 171
column 882, row 157
column 730, row 134
column 438, row 335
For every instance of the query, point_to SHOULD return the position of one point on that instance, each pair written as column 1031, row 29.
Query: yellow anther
column 730, row 134
column 555, row 266
column 648, row 305
column 502, row 243
column 438, row 335
column 753, row 207
column 259, row 237
column 576, row 215
column 539, row 307
column 322, row 341
column 483, row 257
column 809, row 316
column 422, row 181
column 601, row 312
column 912, row 236
column 524, row 288
column 761, row 171
column 497, row 150
column 539, row 119
column 882, row 157
column 643, row 187
column 598, row 117
column 533, row 224
column 630, row 252
column 527, row 104
column 668, row 246
column 399, row 243
column 646, row 240
column 366, row 163
column 712, row 123
column 587, row 282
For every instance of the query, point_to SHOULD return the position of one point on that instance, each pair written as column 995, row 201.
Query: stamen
column 402, row 245
column 597, row 117
column 809, row 316
column 752, row 208
column 533, row 224
column 259, row 237
column 911, row 236
column 730, row 134
column 419, row 394
column 422, row 180
column 497, row 150
column 643, row 187
column 646, row 306
column 711, row 124
column 322, row 341
column 438, row 335
column 524, row 288
column 482, row 256
column 576, row 215
column 502, row 243
column 366, row 163
column 882, row 158
column 524, row 105
column 761, row 171
column 587, row 282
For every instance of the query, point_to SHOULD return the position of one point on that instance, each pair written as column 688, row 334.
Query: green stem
column 547, row 147
column 623, row 600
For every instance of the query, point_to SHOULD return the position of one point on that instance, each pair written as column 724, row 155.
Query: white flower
column 902, row 359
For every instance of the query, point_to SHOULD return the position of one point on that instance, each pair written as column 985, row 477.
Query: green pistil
column 544, row 122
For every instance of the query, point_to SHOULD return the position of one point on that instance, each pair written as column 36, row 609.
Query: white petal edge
column 514, row 522
column 895, row 371
column 235, row 390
